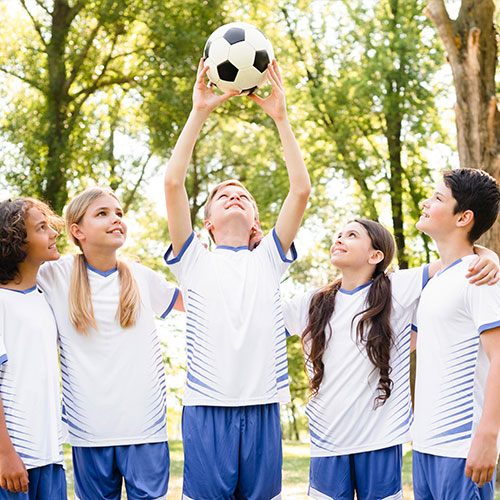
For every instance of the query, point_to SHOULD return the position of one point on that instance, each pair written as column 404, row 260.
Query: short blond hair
column 216, row 189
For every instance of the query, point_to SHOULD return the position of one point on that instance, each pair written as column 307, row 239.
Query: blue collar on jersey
column 24, row 292
column 451, row 265
column 357, row 289
column 234, row 249
column 102, row 273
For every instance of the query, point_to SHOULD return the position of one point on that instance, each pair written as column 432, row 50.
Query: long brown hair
column 81, row 312
column 374, row 329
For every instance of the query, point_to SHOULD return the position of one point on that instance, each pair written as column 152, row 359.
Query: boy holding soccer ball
column 237, row 365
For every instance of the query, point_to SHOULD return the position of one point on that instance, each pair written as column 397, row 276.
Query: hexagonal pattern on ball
column 241, row 54
column 248, row 78
column 219, row 50
column 257, row 39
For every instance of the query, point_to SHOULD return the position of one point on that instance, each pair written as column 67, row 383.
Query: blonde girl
column 114, row 389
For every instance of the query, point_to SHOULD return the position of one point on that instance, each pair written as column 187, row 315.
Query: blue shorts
column 232, row 452
column 45, row 483
column 373, row 475
column 443, row 478
column 99, row 471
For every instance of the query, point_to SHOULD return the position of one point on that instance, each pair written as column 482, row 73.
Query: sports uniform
column 353, row 445
column 114, row 389
column 452, row 369
column 237, row 362
column 30, row 391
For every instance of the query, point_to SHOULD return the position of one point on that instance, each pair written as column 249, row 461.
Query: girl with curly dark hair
column 31, row 458
column 356, row 335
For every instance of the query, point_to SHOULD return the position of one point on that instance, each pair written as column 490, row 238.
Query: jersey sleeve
column 162, row 293
column 407, row 284
column 296, row 313
column 271, row 247
column 483, row 306
column 184, row 263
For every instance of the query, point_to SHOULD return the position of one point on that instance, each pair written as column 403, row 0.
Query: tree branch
column 83, row 55
column 130, row 198
column 30, row 82
column 437, row 13
column 37, row 26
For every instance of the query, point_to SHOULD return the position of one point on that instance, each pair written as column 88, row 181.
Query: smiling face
column 438, row 217
column 102, row 224
column 353, row 248
column 40, row 238
column 231, row 203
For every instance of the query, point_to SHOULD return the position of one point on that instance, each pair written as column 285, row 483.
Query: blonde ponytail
column 81, row 311
column 130, row 299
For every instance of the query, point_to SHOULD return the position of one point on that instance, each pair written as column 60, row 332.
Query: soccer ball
column 237, row 55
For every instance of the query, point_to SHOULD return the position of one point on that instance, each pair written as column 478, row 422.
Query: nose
column 425, row 203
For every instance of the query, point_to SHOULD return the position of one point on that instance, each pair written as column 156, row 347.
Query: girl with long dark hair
column 356, row 335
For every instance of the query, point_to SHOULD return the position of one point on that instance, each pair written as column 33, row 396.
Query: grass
column 295, row 471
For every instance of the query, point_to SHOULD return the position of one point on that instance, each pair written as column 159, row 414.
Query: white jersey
column 342, row 418
column 236, row 342
column 29, row 376
column 452, row 366
column 114, row 389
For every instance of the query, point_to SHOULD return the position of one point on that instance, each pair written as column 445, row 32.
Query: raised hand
column 204, row 97
column 275, row 104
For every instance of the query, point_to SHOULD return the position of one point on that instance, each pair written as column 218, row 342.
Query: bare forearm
column 300, row 183
column 489, row 425
column 175, row 174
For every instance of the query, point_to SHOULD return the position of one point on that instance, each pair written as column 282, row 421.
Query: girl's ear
column 256, row 226
column 208, row 225
column 375, row 257
column 77, row 232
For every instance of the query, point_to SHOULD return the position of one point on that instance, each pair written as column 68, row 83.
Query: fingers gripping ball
column 237, row 55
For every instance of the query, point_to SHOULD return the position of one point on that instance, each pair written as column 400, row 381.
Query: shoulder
column 56, row 269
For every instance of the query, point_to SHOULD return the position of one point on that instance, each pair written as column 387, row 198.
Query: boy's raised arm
column 294, row 206
column 179, row 218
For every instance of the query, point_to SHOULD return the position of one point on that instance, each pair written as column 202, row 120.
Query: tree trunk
column 471, row 46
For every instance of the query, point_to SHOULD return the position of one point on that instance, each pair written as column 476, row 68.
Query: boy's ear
column 256, row 226
column 77, row 232
column 465, row 218
column 375, row 257
column 208, row 225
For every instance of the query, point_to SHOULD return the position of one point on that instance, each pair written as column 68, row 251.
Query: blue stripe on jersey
column 171, row 305
column 425, row 276
column 3, row 359
column 170, row 251
column 456, row 419
column 280, row 249
column 488, row 326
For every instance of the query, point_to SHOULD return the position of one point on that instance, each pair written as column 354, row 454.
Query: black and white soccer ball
column 237, row 55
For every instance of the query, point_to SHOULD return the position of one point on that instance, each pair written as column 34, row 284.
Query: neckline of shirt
column 24, row 292
column 357, row 289
column 105, row 274
column 234, row 249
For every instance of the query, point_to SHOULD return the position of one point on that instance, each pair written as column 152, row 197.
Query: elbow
column 303, row 191
column 171, row 182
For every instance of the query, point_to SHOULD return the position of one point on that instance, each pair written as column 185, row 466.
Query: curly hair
column 374, row 329
column 13, row 234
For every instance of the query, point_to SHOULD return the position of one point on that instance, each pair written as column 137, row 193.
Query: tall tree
column 471, row 45
column 77, row 62
column 372, row 88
